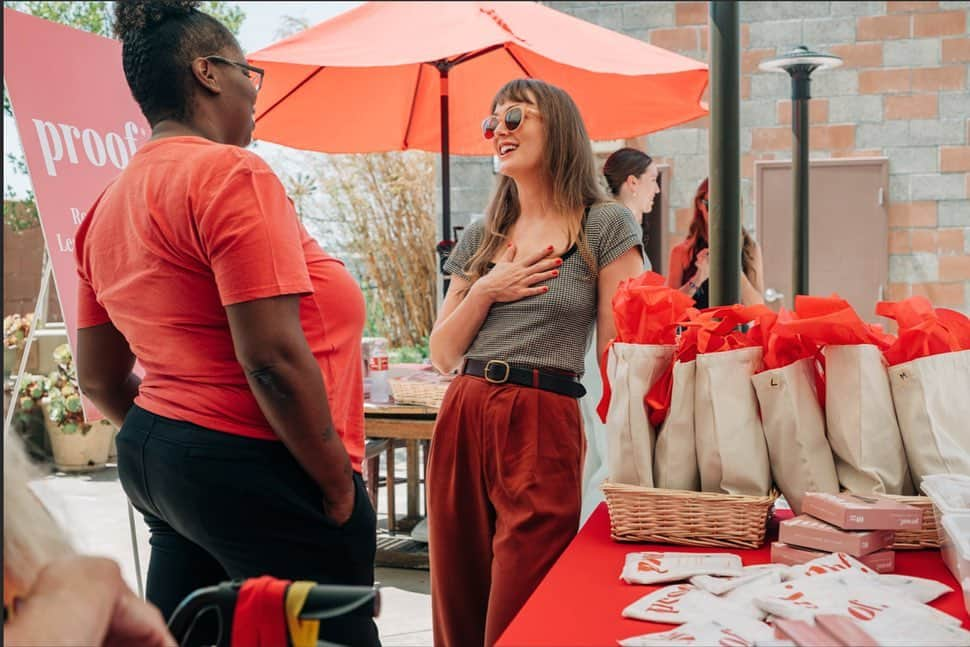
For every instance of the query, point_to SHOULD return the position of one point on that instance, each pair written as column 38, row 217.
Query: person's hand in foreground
column 82, row 600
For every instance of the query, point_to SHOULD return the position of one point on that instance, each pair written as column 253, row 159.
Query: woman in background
column 690, row 260
column 632, row 179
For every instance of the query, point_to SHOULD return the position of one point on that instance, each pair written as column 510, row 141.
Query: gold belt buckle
column 497, row 362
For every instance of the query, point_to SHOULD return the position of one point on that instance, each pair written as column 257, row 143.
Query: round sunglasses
column 513, row 118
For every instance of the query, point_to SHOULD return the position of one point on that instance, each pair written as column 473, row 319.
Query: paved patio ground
column 94, row 509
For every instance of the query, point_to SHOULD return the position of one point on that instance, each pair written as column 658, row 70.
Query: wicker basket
column 928, row 536
column 687, row 518
column 428, row 394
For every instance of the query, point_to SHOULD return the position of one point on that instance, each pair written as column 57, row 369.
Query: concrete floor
column 93, row 508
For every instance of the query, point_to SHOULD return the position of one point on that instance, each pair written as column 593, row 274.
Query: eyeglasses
column 254, row 74
column 513, row 118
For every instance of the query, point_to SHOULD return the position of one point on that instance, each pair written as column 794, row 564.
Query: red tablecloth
column 580, row 600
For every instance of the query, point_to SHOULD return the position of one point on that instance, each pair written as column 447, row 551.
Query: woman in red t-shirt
column 194, row 262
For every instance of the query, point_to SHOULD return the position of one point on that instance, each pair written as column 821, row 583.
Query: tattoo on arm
column 266, row 378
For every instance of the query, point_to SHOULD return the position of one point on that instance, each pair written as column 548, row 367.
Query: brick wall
column 903, row 91
column 23, row 257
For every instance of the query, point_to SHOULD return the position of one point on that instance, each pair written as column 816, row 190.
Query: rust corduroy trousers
column 504, row 488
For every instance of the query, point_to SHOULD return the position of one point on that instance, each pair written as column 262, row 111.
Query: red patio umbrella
column 391, row 76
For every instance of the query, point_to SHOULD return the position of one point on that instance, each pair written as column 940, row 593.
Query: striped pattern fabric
column 551, row 330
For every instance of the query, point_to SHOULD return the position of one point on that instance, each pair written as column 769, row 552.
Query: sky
column 259, row 29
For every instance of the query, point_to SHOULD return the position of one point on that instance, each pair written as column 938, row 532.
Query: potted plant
column 15, row 331
column 77, row 445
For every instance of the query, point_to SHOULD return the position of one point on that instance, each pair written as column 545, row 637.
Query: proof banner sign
column 79, row 126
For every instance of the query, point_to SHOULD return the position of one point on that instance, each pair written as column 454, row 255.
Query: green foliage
column 410, row 354
column 290, row 25
column 96, row 17
column 375, row 309
column 228, row 13
column 58, row 391
column 20, row 215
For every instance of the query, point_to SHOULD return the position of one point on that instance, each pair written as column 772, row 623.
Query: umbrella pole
column 445, row 169
column 725, row 176
column 445, row 165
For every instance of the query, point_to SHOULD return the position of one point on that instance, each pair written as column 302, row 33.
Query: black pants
column 221, row 506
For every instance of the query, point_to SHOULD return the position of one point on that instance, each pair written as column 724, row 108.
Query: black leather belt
column 497, row 371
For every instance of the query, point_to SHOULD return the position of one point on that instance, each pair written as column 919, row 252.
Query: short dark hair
column 622, row 164
column 160, row 40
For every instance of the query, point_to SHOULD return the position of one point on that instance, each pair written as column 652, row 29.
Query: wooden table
column 414, row 425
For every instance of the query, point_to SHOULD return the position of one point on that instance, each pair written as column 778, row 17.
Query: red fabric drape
column 260, row 616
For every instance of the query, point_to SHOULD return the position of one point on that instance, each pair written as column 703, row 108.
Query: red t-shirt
column 192, row 226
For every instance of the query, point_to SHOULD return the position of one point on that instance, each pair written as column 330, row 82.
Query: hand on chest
column 534, row 239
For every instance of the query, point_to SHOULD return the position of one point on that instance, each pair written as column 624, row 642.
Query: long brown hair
column 570, row 169
column 698, row 240
column 623, row 163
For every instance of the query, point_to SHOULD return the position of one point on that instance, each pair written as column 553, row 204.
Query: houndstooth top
column 551, row 330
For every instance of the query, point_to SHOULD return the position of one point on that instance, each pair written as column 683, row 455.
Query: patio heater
column 799, row 63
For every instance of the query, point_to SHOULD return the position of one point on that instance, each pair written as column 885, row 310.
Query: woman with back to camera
column 632, row 178
column 529, row 282
column 690, row 260
column 194, row 262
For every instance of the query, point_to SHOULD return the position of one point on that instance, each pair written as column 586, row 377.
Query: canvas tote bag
column 731, row 452
column 675, row 455
column 861, row 420
column 799, row 453
column 632, row 370
column 932, row 400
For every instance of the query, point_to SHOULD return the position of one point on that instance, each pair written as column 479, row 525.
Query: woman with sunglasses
column 529, row 284
column 690, row 260
column 242, row 443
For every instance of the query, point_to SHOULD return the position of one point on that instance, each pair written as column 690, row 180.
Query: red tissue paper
column 923, row 329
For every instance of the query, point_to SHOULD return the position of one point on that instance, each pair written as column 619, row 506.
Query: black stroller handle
column 323, row 601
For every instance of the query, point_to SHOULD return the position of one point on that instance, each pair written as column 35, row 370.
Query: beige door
column 848, row 230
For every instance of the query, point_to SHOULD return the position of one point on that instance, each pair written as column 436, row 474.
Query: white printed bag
column 731, row 452
column 675, row 455
column 932, row 400
column 861, row 421
column 799, row 453
column 632, row 369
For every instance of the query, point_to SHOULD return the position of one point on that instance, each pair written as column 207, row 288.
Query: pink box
column 845, row 630
column 809, row 532
column 862, row 511
column 802, row 633
column 882, row 561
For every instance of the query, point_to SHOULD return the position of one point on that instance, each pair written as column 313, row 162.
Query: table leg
column 413, row 476
column 372, row 473
column 391, row 514
column 426, row 449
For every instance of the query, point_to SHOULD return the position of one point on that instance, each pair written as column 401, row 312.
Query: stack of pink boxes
column 862, row 526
